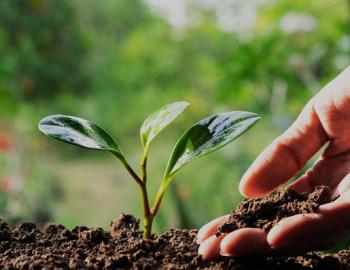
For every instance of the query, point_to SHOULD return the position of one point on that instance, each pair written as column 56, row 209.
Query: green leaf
column 78, row 131
column 158, row 120
column 207, row 136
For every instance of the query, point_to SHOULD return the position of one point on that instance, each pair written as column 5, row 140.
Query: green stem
column 147, row 214
column 160, row 195
column 144, row 166
column 128, row 167
column 133, row 174
column 141, row 181
column 156, row 204
column 147, row 228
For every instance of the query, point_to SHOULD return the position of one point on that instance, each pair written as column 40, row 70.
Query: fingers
column 289, row 244
column 286, row 156
column 343, row 186
column 255, row 242
column 242, row 242
column 316, row 242
column 293, row 235
column 328, row 223
column 330, row 171
column 238, row 243
column 335, row 214
column 210, row 228
column 334, row 112
column 293, row 228
column 245, row 242
column 210, row 248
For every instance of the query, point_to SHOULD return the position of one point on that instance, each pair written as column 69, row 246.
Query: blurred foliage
column 117, row 61
column 26, row 190
column 43, row 50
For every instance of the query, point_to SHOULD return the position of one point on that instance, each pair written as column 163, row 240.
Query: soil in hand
column 25, row 247
column 266, row 212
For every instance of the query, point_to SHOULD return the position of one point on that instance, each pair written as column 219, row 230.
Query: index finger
column 286, row 156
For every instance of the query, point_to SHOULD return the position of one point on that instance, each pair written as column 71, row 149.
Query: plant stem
column 141, row 181
column 156, row 204
column 128, row 167
column 147, row 214
column 147, row 228
column 144, row 167
column 133, row 174
column 160, row 194
column 158, row 199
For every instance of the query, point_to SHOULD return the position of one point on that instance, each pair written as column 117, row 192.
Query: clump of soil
column 266, row 212
column 25, row 247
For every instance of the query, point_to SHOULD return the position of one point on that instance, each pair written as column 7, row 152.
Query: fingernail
column 225, row 254
column 277, row 245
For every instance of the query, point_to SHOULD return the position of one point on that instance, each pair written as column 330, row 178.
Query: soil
column 266, row 212
column 25, row 247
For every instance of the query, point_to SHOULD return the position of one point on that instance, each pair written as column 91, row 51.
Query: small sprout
column 206, row 136
column 154, row 124
column 159, row 120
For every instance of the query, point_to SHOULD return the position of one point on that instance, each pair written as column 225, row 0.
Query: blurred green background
column 114, row 62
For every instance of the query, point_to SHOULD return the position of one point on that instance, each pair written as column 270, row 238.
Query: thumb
column 286, row 156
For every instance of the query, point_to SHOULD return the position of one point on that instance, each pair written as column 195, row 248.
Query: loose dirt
column 25, row 247
column 266, row 212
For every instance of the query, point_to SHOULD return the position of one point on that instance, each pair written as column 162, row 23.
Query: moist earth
column 266, row 212
column 23, row 246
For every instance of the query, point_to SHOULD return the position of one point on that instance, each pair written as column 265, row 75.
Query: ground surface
column 25, row 247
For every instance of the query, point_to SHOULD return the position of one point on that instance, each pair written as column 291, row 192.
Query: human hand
column 325, row 119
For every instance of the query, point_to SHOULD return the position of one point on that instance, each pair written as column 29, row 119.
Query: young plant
column 204, row 137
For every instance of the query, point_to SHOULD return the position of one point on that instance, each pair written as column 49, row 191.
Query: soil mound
column 266, row 212
column 25, row 247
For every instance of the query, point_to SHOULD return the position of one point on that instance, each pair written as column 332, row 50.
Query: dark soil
column 266, row 212
column 25, row 247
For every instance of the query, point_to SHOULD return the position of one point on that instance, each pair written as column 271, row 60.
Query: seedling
column 206, row 136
